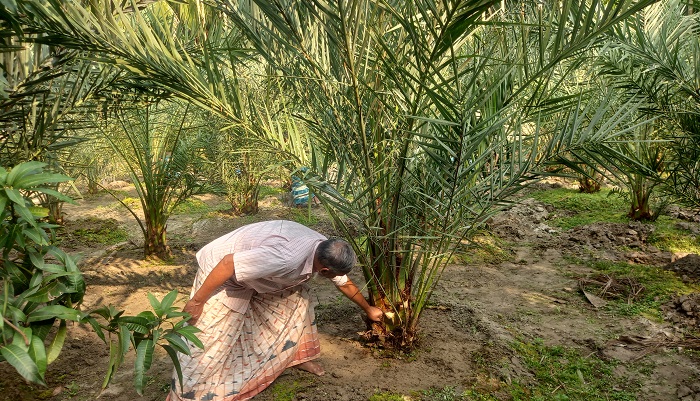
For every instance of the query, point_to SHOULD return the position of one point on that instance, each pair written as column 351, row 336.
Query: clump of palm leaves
column 651, row 57
column 165, row 149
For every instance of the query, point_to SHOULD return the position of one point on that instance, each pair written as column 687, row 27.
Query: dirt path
column 478, row 316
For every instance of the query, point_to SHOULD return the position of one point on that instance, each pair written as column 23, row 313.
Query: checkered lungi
column 245, row 353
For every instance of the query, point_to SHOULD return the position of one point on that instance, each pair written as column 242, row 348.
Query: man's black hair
column 337, row 255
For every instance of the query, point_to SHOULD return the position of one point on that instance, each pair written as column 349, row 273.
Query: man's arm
column 222, row 271
column 350, row 290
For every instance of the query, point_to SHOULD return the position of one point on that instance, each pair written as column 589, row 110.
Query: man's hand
column 195, row 309
column 374, row 314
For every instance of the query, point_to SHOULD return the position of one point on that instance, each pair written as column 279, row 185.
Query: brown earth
column 477, row 312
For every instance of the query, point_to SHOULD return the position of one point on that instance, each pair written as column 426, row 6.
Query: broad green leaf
column 54, row 311
column 168, row 301
column 30, row 181
column 155, row 304
column 16, row 197
column 22, row 362
column 96, row 327
column 39, row 212
column 37, row 352
column 177, row 343
column 175, row 314
column 25, row 214
column 176, row 362
column 114, row 360
column 56, row 345
column 124, row 340
column 135, row 324
column 189, row 333
column 144, row 356
column 23, row 169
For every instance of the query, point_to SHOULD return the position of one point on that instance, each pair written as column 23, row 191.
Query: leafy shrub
column 41, row 287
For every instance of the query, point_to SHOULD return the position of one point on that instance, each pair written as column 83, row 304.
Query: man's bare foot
column 312, row 367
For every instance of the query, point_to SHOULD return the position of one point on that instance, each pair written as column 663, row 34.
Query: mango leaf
column 176, row 362
column 22, row 362
column 37, row 235
column 113, row 365
column 144, row 357
column 177, row 343
column 155, row 304
column 3, row 202
column 26, row 215
column 37, row 352
column 39, row 212
column 36, row 258
column 96, row 327
column 124, row 341
column 168, row 301
column 29, row 181
column 189, row 333
column 135, row 324
column 56, row 345
column 54, row 311
column 176, row 313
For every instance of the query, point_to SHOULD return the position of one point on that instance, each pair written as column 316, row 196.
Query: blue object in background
column 300, row 192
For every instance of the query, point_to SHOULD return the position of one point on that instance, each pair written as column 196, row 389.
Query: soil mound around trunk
column 687, row 267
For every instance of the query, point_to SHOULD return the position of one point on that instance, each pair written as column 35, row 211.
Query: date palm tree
column 654, row 57
column 423, row 116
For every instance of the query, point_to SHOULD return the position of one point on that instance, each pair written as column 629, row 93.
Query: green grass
column 197, row 206
column 386, row 396
column 266, row 191
column 302, row 216
column 284, row 391
column 102, row 232
column 558, row 373
column 659, row 286
column 605, row 207
column 667, row 236
column 562, row 373
column 602, row 206
column 483, row 247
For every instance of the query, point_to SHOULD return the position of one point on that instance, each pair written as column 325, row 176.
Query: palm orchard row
column 414, row 120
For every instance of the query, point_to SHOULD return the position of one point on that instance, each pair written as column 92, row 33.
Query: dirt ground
column 477, row 312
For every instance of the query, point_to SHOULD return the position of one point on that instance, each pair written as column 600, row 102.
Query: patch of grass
column 667, row 236
column 561, row 373
column 482, row 247
column 302, row 216
column 102, row 232
column 191, row 206
column 659, row 286
column 282, row 391
column 386, row 396
column 603, row 206
column 266, row 191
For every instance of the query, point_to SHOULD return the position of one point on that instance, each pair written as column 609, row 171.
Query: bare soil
column 477, row 312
